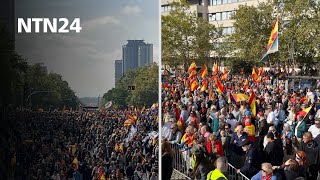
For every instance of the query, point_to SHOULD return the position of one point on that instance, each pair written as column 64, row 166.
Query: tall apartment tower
column 136, row 53
column 145, row 55
column 117, row 69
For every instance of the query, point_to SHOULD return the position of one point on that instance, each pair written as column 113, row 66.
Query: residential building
column 118, row 69
column 217, row 12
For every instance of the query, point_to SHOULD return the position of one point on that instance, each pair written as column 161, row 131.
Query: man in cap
column 251, row 162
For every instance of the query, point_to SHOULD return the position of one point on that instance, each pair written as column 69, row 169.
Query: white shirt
column 270, row 117
column 166, row 130
column 314, row 131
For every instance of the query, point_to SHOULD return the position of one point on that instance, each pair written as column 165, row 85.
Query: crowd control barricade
column 182, row 165
column 233, row 175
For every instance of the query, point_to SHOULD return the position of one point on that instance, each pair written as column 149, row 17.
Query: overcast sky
column 86, row 59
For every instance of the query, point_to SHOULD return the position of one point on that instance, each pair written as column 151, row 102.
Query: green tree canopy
column 144, row 79
column 299, row 23
column 185, row 36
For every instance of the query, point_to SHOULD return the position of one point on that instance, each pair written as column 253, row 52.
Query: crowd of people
column 279, row 138
column 81, row 145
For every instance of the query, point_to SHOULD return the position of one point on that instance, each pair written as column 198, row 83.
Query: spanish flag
column 204, row 85
column 102, row 176
column 172, row 89
column 252, row 103
column 215, row 70
column 225, row 75
column 75, row 163
column 180, row 124
column 274, row 34
column 219, row 85
column 192, row 74
column 255, row 76
column 261, row 71
column 210, row 95
column 272, row 46
column 193, row 84
column 192, row 67
column 245, row 86
column 304, row 112
column 204, row 71
column 231, row 99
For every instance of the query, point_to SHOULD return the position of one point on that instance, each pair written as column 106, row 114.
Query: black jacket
column 251, row 164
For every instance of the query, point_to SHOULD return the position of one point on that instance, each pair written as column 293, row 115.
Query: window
column 212, row 17
column 212, row 2
column 165, row 8
column 224, row 31
column 234, row 1
column 219, row 2
column 218, row 16
column 229, row 1
column 199, row 14
column 230, row 13
column 232, row 29
column 225, row 1
column 224, row 15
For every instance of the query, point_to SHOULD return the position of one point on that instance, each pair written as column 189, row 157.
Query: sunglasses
column 264, row 170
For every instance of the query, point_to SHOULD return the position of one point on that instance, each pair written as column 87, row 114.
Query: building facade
column 217, row 12
column 118, row 69
column 136, row 53
column 145, row 54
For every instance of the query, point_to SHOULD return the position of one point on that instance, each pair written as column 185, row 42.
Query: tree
column 299, row 38
column 252, row 30
column 145, row 81
column 185, row 36
column 298, row 32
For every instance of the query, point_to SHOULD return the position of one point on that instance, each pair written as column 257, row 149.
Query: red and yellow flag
column 193, row 84
column 204, row 85
column 192, row 67
column 252, row 103
column 192, row 74
column 245, row 86
column 102, row 176
column 210, row 94
column 172, row 89
column 261, row 71
column 215, row 70
column 274, row 34
column 255, row 76
column 225, row 74
column 219, row 85
column 304, row 112
column 204, row 71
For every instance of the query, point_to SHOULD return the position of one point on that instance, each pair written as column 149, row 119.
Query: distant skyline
column 86, row 60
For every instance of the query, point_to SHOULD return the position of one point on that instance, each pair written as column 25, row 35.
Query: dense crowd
column 81, row 145
column 280, row 139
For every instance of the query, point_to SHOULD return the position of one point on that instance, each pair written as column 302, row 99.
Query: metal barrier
column 233, row 175
column 182, row 165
